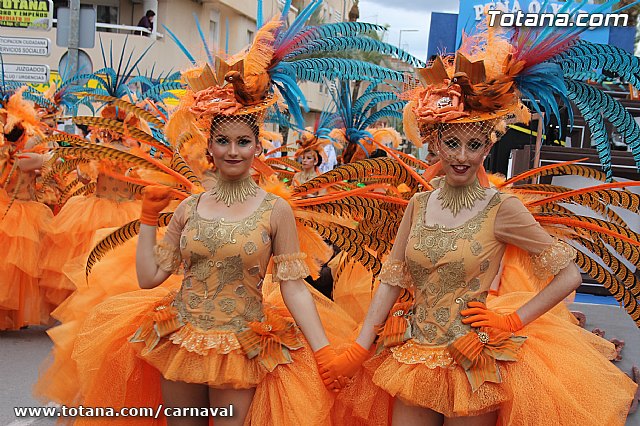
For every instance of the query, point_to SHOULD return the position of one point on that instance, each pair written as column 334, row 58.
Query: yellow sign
column 34, row 14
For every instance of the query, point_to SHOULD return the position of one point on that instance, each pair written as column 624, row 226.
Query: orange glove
column 347, row 363
column 324, row 356
column 154, row 199
column 479, row 316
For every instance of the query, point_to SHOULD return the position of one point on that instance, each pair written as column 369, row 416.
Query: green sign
column 35, row 14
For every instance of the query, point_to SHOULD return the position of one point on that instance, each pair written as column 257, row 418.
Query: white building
column 117, row 20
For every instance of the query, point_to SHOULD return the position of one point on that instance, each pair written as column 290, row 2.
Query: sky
column 406, row 15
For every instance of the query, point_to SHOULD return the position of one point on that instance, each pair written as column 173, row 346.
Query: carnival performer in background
column 24, row 219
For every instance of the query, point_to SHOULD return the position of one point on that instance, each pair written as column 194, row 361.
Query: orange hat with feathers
column 474, row 85
column 311, row 141
column 19, row 113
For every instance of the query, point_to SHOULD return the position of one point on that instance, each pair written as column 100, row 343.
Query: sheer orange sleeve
column 515, row 225
column 167, row 251
column 394, row 269
column 288, row 260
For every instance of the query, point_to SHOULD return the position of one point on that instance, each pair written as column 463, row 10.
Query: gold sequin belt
column 413, row 352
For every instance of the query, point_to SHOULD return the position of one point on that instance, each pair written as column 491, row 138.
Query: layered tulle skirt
column 561, row 374
column 22, row 302
column 72, row 236
column 95, row 363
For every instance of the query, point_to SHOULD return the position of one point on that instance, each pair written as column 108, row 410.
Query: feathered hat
column 498, row 67
column 316, row 138
column 18, row 119
column 278, row 58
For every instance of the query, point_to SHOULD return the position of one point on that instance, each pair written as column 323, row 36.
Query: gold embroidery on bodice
column 436, row 240
column 450, row 267
column 225, row 263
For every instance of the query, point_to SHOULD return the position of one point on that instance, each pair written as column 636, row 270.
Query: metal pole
column 538, row 147
column 74, row 36
column 344, row 11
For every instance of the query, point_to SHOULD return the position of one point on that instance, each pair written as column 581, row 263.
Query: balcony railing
column 122, row 29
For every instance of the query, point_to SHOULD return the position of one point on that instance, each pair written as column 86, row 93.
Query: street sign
column 30, row 46
column 85, row 66
column 26, row 73
column 87, row 35
column 33, row 14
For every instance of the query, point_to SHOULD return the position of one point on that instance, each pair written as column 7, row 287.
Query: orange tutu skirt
column 94, row 363
column 21, row 300
column 560, row 375
column 112, row 371
column 59, row 375
column 73, row 229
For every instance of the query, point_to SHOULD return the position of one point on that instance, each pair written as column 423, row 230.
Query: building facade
column 228, row 25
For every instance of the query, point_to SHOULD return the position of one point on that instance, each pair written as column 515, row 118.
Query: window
column 250, row 35
column 107, row 14
column 213, row 35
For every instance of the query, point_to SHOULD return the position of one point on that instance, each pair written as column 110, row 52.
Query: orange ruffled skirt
column 21, row 300
column 114, row 274
column 94, row 363
column 561, row 374
column 73, row 229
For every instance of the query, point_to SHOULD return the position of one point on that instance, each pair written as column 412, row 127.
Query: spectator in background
column 147, row 22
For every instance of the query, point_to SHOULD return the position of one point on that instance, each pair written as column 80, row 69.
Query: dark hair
column 149, row 13
column 318, row 156
column 84, row 128
column 378, row 153
column 250, row 120
column 14, row 134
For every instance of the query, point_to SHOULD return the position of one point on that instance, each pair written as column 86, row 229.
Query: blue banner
column 472, row 11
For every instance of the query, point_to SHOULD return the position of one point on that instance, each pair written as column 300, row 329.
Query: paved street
column 21, row 353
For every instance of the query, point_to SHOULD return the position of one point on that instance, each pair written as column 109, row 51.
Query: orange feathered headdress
column 475, row 85
column 311, row 141
column 19, row 113
column 238, row 84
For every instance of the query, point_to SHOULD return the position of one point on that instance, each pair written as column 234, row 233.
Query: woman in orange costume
column 452, row 356
column 112, row 204
column 24, row 220
column 310, row 154
column 311, row 159
column 214, row 342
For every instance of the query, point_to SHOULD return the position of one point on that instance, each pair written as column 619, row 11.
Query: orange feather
column 586, row 225
column 568, row 194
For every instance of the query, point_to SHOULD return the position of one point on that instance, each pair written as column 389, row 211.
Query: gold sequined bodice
column 224, row 262
column 449, row 267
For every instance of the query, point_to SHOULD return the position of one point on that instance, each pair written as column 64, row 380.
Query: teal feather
column 318, row 69
column 385, row 112
column 180, row 45
column 359, row 43
column 373, row 98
